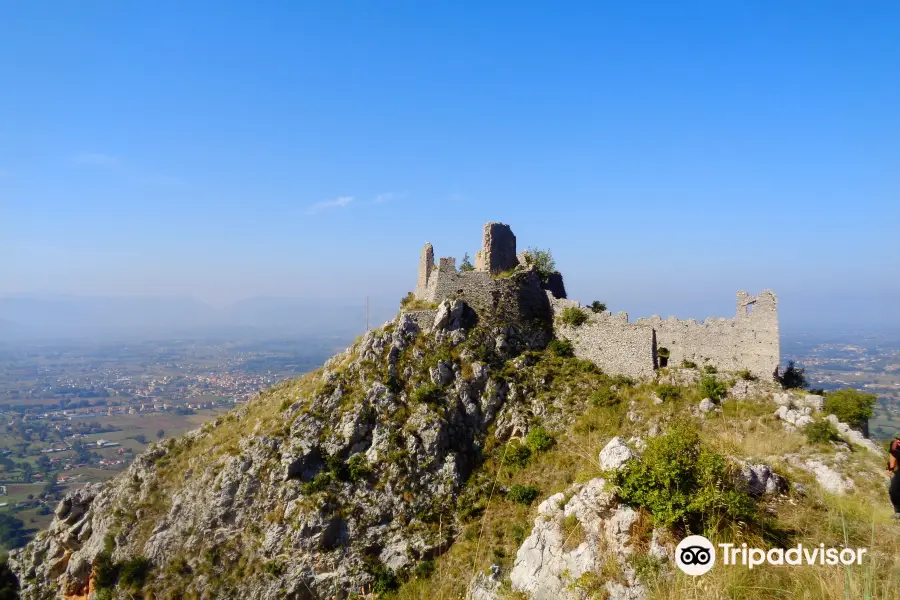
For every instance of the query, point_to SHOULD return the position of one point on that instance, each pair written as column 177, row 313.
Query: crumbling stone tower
column 498, row 249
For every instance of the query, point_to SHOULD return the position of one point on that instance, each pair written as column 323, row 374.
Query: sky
column 667, row 153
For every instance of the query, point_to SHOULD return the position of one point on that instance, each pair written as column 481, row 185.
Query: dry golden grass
column 743, row 429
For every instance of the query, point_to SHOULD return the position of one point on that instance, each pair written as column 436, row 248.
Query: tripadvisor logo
column 695, row 555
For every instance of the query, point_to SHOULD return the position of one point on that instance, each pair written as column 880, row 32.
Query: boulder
column 485, row 586
column 549, row 560
column 706, row 405
column 814, row 401
column 760, row 480
column 615, row 454
column 854, row 436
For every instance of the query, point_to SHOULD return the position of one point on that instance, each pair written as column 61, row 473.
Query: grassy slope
column 492, row 528
column 744, row 429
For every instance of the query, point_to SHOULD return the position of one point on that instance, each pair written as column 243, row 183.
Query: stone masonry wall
column 748, row 341
column 498, row 249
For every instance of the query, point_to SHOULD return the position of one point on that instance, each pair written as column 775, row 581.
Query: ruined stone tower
column 498, row 249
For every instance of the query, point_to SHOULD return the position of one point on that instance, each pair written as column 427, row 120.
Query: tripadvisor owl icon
column 695, row 555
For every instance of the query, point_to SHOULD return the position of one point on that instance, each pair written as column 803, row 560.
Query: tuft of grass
column 522, row 494
column 573, row 317
column 561, row 348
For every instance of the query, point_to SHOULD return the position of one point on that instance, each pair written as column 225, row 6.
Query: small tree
column 543, row 262
column 573, row 317
column 466, row 264
column 598, row 307
column 793, row 376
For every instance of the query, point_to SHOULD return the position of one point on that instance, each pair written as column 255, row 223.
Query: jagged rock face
column 322, row 487
column 572, row 539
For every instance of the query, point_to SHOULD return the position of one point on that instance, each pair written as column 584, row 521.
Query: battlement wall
column 748, row 341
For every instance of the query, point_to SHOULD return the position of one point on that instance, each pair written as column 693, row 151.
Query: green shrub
column 543, row 262
column 133, row 572
column 427, row 393
column 515, row 455
column 662, row 352
column 793, row 377
column 746, row 375
column 821, row 432
column 320, row 482
column 424, row 569
column 668, row 392
column 604, row 397
column 598, row 307
column 561, row 348
column 710, row 369
column 466, row 264
column 712, row 388
column 384, row 580
column 273, row 568
column 621, row 381
column 572, row 317
column 688, row 364
column 106, row 572
column 358, row 467
column 851, row 406
column 678, row 480
column 538, row 440
column 522, row 494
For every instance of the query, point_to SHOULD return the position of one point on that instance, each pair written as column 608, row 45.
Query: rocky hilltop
column 464, row 449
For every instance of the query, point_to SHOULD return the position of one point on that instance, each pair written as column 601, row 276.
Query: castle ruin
column 502, row 278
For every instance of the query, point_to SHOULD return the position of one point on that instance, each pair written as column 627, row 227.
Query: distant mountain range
column 63, row 317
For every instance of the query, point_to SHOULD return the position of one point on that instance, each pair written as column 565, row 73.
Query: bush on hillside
column 573, row 317
column 427, row 393
column 515, row 454
column 712, row 388
column 793, row 377
column 851, row 406
column 667, row 392
column 821, row 432
column 688, row 364
column 561, row 348
column 604, row 397
column 746, row 375
column 9, row 583
column 133, row 572
column 522, row 494
column 538, row 440
column 678, row 480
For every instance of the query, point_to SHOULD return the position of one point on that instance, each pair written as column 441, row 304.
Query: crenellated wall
column 748, row 341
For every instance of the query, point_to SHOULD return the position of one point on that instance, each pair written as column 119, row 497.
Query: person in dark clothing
column 893, row 463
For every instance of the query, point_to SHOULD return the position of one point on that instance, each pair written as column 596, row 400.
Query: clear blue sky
column 668, row 153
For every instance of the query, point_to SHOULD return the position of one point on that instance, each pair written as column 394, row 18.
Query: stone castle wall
column 748, row 341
